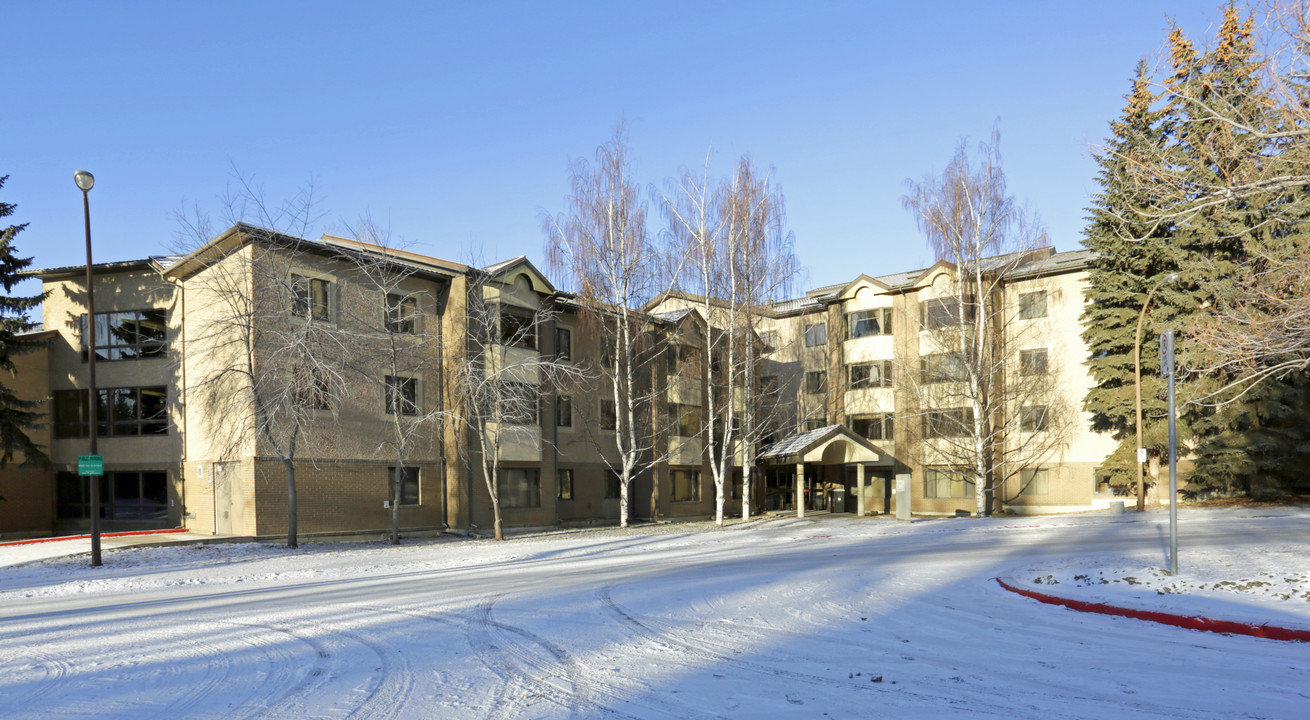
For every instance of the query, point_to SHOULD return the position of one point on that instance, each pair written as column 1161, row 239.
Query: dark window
column 401, row 395
column 128, row 335
column 408, row 485
column 684, row 361
column 402, row 314
column 1034, row 481
column 563, row 344
column 520, row 487
column 564, row 411
column 135, row 495
column 871, row 375
column 119, row 412
column 1032, row 305
column 947, row 484
column 519, row 403
column 311, row 298
column 311, row 390
column 71, row 413
column 1033, row 419
column 943, row 367
column 1032, row 362
column 767, row 385
column 564, row 490
column 517, row 327
column 816, row 381
column 866, row 323
column 873, row 427
column 608, row 415
column 944, row 312
column 686, row 485
column 816, row 334
column 948, row 423
column 686, row 419
column 613, row 484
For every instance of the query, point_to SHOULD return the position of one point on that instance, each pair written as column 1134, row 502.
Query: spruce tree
column 16, row 415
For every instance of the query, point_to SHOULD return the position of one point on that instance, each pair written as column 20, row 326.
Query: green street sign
column 90, row 464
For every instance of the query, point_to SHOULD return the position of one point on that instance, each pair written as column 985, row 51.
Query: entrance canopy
column 831, row 445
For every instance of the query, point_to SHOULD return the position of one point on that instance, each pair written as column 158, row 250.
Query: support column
column 800, row 489
column 859, row 489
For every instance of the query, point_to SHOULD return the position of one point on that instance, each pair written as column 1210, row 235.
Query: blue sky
column 453, row 124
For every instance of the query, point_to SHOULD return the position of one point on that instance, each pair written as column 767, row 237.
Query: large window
column 134, row 495
column 816, row 382
column 402, row 314
column 956, row 422
column 608, row 415
column 519, row 403
column 866, row 323
column 684, row 361
column 517, row 327
column 564, row 411
column 563, row 344
column 1032, row 305
column 408, row 485
column 1033, row 418
column 401, row 395
column 311, row 390
column 119, row 412
column 520, row 487
column 871, row 374
column 686, row 419
column 945, row 312
column 129, row 335
column 943, row 367
column 1032, row 362
column 947, row 484
column 1034, row 481
column 816, row 334
column 686, row 485
column 564, row 485
column 613, row 485
column 311, row 298
column 877, row 426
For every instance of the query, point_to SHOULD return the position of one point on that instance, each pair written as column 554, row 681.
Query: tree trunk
column 395, row 503
column 292, row 541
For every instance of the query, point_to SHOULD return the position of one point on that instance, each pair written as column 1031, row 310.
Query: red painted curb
column 83, row 537
column 1271, row 632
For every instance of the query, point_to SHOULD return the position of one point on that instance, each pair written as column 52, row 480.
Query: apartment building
column 182, row 340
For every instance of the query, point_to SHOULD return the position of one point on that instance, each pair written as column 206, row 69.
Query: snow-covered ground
column 826, row 617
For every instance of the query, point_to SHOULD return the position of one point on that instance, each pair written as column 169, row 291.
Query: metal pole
column 1168, row 342
column 91, row 383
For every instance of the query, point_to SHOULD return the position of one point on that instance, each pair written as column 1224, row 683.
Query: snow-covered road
column 823, row 617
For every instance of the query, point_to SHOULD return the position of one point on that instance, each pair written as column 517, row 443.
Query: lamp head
column 1171, row 277
column 84, row 180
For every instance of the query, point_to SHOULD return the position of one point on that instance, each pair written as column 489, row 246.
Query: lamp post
column 86, row 181
column 1137, row 381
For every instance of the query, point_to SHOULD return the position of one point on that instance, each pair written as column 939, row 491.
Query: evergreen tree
column 16, row 415
column 1134, row 251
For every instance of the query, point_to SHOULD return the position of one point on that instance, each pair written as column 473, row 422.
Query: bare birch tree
column 985, row 411
column 601, row 245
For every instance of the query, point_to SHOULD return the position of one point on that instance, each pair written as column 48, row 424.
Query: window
column 770, row 340
column 947, row 484
column 684, row 361
column 408, row 485
column 517, row 327
column 1033, row 481
column 563, row 344
column 520, row 487
column 1033, row 419
column 613, row 485
column 685, row 419
column 401, row 395
column 519, row 403
column 1032, row 362
column 940, row 313
column 123, row 495
column 873, row 427
column 311, row 298
column 1032, row 305
column 564, row 411
column 865, row 323
column 816, row 381
column 686, row 485
column 816, row 334
column 129, row 335
column 767, row 385
column 943, row 367
column 871, row 375
column 564, row 484
column 311, row 389
column 119, row 412
column 957, row 422
column 608, row 415
column 402, row 314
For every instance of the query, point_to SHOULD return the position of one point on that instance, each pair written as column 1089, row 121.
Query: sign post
column 1167, row 370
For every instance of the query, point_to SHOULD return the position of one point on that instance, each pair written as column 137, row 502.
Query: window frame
column 563, row 344
column 947, row 423
column 403, row 388
column 305, row 298
column 564, row 411
column 509, row 389
column 1034, row 481
column 884, row 422
column 932, row 484
column 867, row 380
column 1032, row 305
column 816, row 334
column 144, row 349
column 690, row 481
column 685, row 420
column 880, row 318
column 816, row 382
column 1034, row 362
column 516, row 335
column 608, row 414
column 564, row 479
column 397, row 319
column 530, row 491
column 109, row 423
column 1034, row 418
column 406, row 481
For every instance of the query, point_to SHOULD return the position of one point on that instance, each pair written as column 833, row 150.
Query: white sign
column 1141, row 455
column 200, row 470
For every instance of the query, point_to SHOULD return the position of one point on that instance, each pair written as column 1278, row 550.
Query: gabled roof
column 80, row 270
column 417, row 261
column 795, row 448
column 504, row 268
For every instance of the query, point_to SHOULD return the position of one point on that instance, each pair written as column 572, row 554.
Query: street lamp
column 1137, row 377
column 86, row 181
